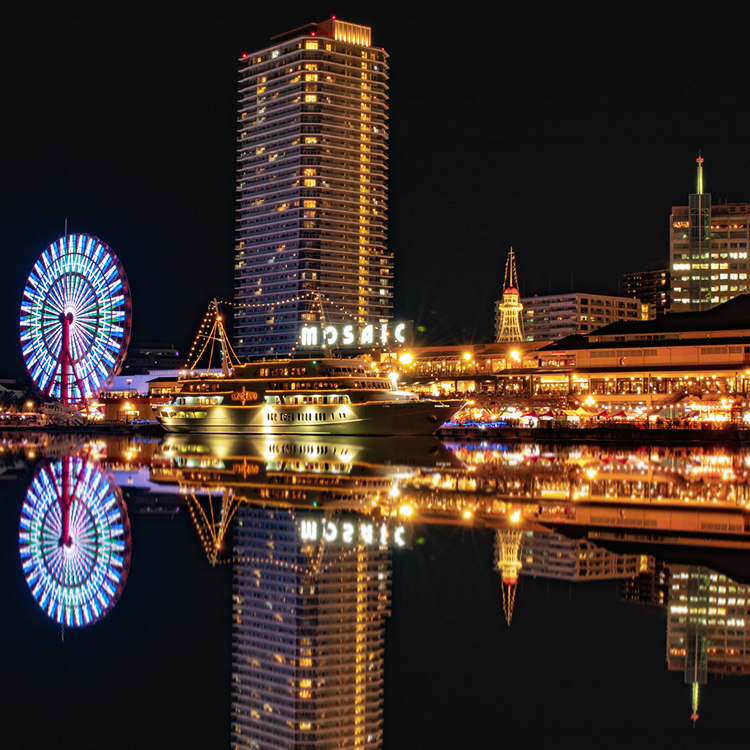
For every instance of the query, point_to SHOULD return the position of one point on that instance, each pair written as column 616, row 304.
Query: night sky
column 565, row 130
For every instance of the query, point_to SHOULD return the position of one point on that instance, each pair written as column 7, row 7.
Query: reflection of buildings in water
column 707, row 626
column 508, row 563
column 649, row 589
column 593, row 472
column 220, row 473
column 549, row 555
column 308, row 636
column 692, row 495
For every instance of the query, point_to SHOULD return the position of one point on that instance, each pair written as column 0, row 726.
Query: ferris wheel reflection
column 74, row 541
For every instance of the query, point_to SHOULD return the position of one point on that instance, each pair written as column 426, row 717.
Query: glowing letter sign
column 309, row 531
column 351, row 531
column 330, row 335
column 309, row 336
column 348, row 335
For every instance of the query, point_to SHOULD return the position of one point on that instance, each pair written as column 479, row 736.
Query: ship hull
column 416, row 417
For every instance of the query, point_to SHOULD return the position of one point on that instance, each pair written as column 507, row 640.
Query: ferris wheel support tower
column 66, row 365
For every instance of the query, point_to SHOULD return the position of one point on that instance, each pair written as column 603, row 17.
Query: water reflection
column 74, row 541
column 310, row 526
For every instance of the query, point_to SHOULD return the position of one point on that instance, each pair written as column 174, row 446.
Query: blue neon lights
column 75, row 584
column 82, row 275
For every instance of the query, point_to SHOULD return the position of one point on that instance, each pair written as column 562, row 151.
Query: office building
column 708, row 251
column 311, row 187
column 546, row 554
column 649, row 589
column 707, row 626
column 308, row 633
column 651, row 287
column 554, row 316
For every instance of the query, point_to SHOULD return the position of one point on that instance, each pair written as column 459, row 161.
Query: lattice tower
column 511, row 309
column 212, row 515
column 507, row 561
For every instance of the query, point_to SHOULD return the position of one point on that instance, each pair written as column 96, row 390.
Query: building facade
column 708, row 251
column 546, row 554
column 554, row 316
column 307, row 636
column 311, row 187
column 651, row 287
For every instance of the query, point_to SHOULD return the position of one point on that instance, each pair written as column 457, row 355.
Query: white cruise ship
column 302, row 396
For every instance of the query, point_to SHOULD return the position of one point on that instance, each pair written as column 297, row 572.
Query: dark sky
column 566, row 130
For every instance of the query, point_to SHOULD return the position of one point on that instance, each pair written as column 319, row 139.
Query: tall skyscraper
column 308, row 633
column 311, row 187
column 708, row 251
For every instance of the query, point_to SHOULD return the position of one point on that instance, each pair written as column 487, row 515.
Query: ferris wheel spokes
column 75, row 318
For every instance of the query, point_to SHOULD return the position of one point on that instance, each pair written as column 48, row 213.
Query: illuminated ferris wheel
column 74, row 541
column 75, row 318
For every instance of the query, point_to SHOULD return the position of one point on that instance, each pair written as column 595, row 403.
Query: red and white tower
column 509, row 311
column 507, row 561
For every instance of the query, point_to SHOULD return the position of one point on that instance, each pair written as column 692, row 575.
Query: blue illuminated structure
column 75, row 318
column 74, row 541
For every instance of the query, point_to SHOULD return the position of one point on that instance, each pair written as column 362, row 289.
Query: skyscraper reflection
column 307, row 636
column 707, row 626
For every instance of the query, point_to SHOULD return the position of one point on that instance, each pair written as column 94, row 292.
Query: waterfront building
column 546, row 554
column 509, row 310
column 699, row 354
column 311, row 187
column 651, row 287
column 708, row 250
column 555, row 316
column 308, row 636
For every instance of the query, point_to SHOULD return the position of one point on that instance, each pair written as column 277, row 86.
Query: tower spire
column 511, row 277
column 696, row 695
column 507, row 561
column 700, row 174
column 508, row 321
